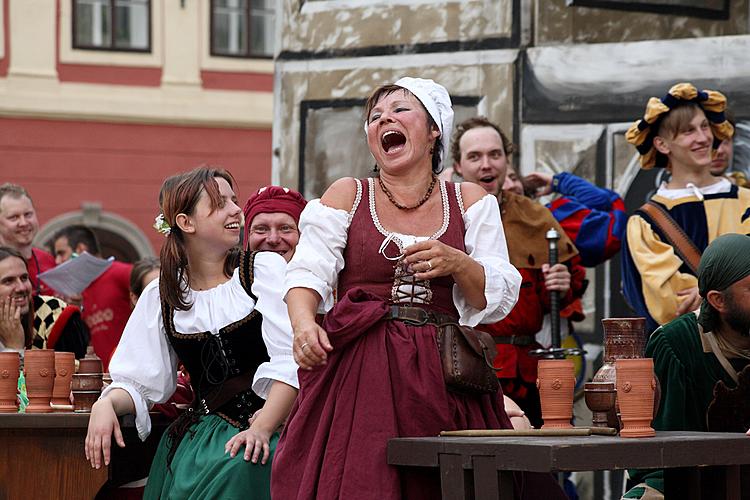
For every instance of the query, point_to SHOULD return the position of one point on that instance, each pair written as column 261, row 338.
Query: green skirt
column 200, row 468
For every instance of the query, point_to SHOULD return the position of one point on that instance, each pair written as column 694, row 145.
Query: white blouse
column 319, row 257
column 145, row 365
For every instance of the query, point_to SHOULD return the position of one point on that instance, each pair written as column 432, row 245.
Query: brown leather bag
column 467, row 355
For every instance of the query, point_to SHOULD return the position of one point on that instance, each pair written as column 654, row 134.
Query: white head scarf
column 436, row 101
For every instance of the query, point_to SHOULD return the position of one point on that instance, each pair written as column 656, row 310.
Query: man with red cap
column 271, row 220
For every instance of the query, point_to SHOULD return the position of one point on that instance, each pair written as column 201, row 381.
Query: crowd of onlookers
column 679, row 272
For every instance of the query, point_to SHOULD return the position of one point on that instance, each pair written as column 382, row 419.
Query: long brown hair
column 179, row 195
column 27, row 322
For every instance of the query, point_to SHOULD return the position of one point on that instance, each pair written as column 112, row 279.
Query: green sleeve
column 671, row 373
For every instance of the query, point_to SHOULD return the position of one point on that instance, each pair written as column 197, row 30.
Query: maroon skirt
column 382, row 380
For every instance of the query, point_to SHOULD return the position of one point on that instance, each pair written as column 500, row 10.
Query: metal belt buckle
column 393, row 313
column 423, row 321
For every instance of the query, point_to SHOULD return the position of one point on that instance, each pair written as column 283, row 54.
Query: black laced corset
column 211, row 360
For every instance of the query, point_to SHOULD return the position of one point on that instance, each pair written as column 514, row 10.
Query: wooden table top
column 65, row 420
column 578, row 453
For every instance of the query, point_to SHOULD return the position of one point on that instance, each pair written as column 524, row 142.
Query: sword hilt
column 552, row 237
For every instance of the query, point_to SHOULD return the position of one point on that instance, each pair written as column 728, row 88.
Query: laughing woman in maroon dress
column 403, row 238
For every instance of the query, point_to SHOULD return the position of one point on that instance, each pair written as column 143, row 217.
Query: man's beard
column 27, row 300
column 737, row 317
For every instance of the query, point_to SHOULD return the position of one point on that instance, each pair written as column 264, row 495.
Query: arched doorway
column 118, row 237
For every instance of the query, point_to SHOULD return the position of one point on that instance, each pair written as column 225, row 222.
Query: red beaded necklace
column 404, row 207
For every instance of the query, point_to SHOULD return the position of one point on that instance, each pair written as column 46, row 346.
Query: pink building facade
column 92, row 131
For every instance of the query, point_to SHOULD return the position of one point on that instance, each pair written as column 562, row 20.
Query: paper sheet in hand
column 73, row 276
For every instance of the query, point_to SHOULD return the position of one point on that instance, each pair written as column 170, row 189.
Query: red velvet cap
column 272, row 199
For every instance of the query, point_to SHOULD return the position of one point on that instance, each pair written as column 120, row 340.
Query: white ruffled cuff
column 142, row 418
column 282, row 368
column 501, row 290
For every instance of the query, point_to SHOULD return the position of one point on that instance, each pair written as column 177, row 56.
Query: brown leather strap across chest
column 676, row 236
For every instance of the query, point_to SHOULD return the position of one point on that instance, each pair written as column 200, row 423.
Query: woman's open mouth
column 392, row 141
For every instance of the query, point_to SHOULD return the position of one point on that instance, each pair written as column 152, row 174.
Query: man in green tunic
column 693, row 353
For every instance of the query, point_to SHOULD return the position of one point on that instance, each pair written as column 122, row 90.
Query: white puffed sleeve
column 277, row 330
column 144, row 363
column 319, row 257
column 485, row 243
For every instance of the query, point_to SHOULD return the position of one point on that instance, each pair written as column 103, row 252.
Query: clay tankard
column 87, row 383
column 556, row 383
column 636, row 385
column 39, row 371
column 10, row 363
column 624, row 338
column 65, row 364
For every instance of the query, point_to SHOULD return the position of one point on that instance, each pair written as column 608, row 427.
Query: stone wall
column 556, row 22
column 564, row 81
column 367, row 26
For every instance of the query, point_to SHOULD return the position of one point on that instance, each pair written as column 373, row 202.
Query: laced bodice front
column 372, row 253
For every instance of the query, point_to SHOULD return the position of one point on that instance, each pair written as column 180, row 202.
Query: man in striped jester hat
column 679, row 132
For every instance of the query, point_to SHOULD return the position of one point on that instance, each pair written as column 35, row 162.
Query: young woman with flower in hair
column 220, row 312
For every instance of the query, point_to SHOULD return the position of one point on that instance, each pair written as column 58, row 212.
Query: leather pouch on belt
column 467, row 356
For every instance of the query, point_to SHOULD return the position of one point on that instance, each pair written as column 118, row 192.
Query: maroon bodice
column 365, row 267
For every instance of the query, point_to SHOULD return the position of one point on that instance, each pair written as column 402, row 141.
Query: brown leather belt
column 416, row 316
column 514, row 339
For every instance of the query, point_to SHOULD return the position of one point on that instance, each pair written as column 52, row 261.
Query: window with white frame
column 112, row 25
column 242, row 28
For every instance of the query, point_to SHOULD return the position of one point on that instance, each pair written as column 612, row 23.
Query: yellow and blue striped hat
column 641, row 134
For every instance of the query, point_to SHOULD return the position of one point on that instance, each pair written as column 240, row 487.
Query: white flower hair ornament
column 161, row 225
